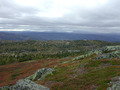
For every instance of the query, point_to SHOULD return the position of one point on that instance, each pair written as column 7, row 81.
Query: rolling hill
column 12, row 36
column 57, row 36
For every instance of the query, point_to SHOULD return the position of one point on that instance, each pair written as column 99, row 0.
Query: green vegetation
column 84, row 65
column 86, row 74
column 19, row 51
column 14, row 75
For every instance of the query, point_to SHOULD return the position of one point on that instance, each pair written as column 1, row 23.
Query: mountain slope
column 12, row 36
column 69, row 36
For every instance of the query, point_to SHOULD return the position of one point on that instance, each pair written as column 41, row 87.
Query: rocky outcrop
column 28, row 84
column 109, row 55
column 114, row 84
column 25, row 84
column 40, row 74
column 107, row 52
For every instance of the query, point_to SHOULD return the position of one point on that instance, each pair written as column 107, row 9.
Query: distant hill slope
column 57, row 36
column 70, row 36
column 12, row 36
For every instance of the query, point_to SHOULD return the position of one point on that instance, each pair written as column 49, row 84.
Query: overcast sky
column 84, row 16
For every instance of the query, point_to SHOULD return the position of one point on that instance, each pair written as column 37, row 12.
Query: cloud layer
column 86, row 16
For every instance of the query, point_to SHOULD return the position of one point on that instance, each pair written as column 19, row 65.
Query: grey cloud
column 103, row 19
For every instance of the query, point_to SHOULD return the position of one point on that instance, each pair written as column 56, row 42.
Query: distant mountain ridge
column 12, row 36
column 57, row 36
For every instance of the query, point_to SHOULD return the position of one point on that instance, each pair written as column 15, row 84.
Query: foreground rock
column 114, row 84
column 40, row 74
column 28, row 84
column 25, row 84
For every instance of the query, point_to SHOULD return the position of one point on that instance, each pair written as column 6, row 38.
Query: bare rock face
column 114, row 84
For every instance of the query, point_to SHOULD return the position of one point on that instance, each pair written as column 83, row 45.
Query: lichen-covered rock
column 78, row 57
column 114, row 84
column 40, row 74
column 115, row 54
column 111, row 48
column 108, row 52
column 25, row 84
column 87, row 55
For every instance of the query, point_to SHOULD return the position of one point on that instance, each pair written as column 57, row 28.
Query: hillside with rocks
column 95, row 69
column 28, row 84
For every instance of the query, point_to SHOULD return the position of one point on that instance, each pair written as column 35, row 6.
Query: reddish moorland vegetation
column 11, row 73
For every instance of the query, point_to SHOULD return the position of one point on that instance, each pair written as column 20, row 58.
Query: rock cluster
column 40, row 74
column 114, row 84
column 108, row 52
column 28, row 84
column 25, row 84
